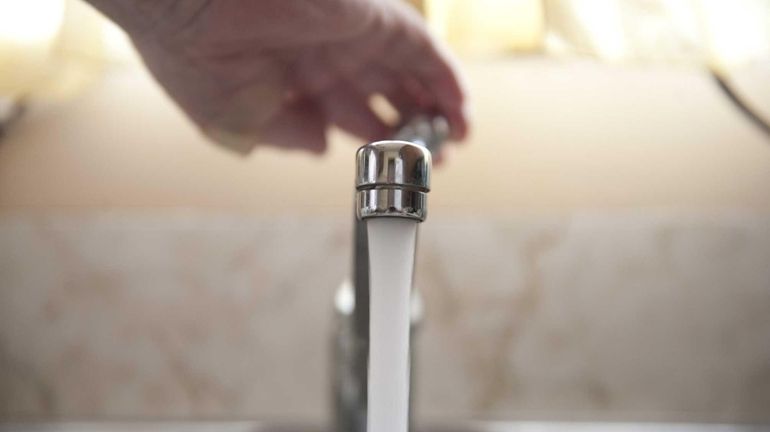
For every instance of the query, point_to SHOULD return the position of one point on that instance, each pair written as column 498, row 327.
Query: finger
column 432, row 64
column 300, row 125
column 443, row 156
column 367, row 72
column 313, row 72
column 390, row 85
column 442, row 80
column 296, row 125
column 422, row 90
column 349, row 109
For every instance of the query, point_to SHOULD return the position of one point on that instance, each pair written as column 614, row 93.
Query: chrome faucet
column 392, row 180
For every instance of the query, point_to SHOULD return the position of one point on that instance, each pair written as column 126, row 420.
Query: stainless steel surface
column 393, row 164
column 392, row 202
column 392, row 178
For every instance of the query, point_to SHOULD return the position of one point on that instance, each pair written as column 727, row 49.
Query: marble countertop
column 640, row 316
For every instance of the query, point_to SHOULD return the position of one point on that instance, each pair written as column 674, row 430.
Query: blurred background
column 599, row 248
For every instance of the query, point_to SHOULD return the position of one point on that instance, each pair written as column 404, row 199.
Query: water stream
column 391, row 263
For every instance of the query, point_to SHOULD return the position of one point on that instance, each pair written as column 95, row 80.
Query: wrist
column 141, row 18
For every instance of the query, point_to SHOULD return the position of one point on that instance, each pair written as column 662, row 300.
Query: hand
column 280, row 72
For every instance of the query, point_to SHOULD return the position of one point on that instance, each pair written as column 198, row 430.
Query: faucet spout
column 392, row 180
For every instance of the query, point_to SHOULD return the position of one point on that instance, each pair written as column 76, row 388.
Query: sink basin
column 251, row 426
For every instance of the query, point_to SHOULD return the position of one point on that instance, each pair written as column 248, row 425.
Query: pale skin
column 282, row 72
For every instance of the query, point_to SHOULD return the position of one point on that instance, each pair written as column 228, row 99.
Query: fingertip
column 238, row 143
column 438, row 159
column 443, row 156
column 299, row 126
column 350, row 111
column 317, row 151
column 315, row 144
column 458, row 125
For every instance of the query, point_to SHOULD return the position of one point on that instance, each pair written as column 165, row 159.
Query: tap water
column 391, row 263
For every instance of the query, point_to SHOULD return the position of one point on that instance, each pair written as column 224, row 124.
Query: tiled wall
column 646, row 315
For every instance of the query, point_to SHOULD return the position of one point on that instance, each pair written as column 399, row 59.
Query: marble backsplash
column 621, row 315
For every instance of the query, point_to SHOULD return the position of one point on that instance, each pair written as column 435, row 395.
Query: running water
column 391, row 262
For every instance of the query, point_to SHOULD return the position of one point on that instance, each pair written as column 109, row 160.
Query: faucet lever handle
column 426, row 130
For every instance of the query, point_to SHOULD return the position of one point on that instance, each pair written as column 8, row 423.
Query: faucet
column 392, row 180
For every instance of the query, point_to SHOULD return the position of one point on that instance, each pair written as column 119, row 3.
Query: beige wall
column 548, row 136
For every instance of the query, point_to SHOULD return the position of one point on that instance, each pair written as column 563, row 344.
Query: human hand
column 280, row 72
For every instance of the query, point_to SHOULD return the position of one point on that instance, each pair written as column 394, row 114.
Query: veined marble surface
column 655, row 316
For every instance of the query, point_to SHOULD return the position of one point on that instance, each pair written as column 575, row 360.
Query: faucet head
column 392, row 180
